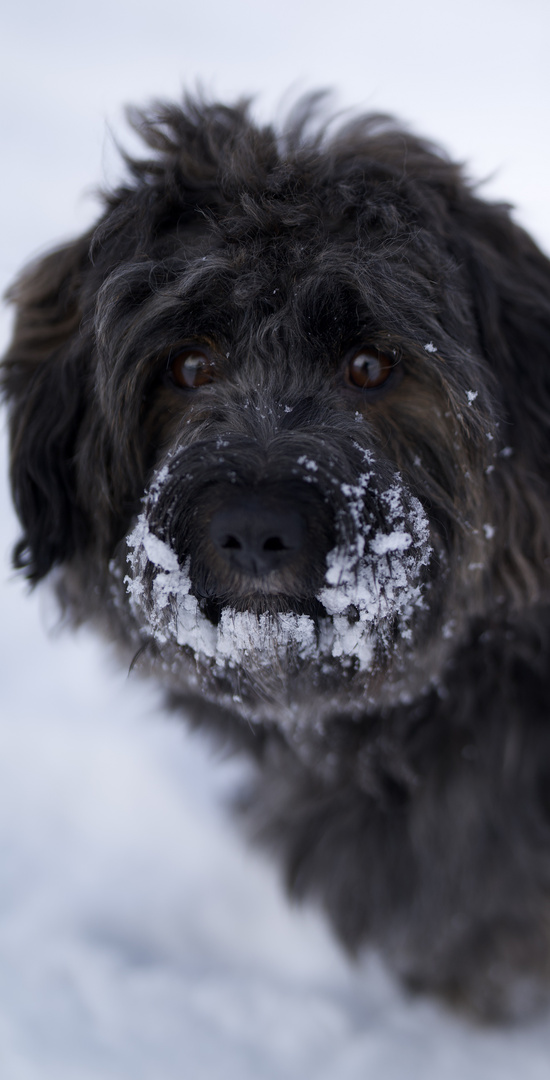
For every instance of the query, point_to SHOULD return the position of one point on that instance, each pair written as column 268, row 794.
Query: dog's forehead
column 317, row 280
column 300, row 227
column 285, row 275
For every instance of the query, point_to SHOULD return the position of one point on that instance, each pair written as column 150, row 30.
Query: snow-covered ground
column 139, row 938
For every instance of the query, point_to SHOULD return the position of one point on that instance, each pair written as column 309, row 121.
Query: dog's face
column 289, row 548
column 268, row 418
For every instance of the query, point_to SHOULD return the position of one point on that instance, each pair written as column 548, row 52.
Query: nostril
column 274, row 543
column 230, row 542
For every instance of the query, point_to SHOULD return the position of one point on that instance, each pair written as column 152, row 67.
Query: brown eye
column 192, row 368
column 368, row 368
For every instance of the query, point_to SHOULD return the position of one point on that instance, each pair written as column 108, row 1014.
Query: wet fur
column 412, row 802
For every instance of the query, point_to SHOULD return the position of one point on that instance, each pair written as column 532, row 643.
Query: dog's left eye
column 368, row 368
column 191, row 368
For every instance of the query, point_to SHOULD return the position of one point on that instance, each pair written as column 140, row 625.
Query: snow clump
column 371, row 583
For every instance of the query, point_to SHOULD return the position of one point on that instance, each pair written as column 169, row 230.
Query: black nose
column 256, row 537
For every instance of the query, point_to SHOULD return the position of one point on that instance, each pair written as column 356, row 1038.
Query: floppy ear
column 43, row 380
column 509, row 280
column 510, row 288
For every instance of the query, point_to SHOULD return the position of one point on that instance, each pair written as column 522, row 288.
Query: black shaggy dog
column 280, row 426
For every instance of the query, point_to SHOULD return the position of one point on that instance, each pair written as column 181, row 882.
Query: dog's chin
column 286, row 669
column 278, row 661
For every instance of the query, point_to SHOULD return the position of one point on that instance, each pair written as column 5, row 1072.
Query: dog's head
column 283, row 413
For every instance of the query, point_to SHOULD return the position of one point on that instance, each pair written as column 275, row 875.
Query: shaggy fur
column 380, row 646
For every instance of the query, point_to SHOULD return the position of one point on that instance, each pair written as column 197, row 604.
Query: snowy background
column 139, row 938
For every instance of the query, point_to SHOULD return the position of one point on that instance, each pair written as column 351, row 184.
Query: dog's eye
column 368, row 368
column 192, row 368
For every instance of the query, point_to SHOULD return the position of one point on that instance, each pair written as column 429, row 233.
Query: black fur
column 404, row 743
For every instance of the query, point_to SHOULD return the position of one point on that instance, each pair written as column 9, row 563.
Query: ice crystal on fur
column 173, row 613
column 380, row 575
column 369, row 585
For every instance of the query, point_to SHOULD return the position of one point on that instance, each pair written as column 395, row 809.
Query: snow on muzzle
column 373, row 585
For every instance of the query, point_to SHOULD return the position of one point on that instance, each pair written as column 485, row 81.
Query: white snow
column 379, row 582
column 430, row 347
column 394, row 541
column 308, row 463
column 379, row 577
column 159, row 553
column 175, row 614
column 471, row 395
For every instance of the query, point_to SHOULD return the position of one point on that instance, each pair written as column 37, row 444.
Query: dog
column 279, row 428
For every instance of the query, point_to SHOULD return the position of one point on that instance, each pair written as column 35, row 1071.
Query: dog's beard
column 363, row 615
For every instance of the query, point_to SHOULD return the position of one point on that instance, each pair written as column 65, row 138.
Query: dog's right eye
column 368, row 369
column 191, row 368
